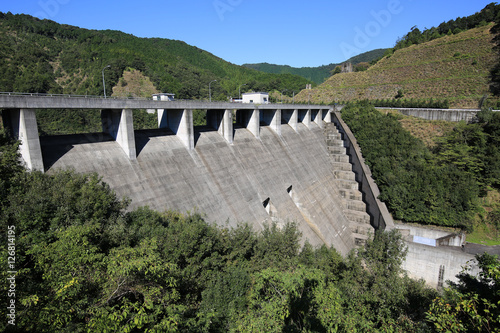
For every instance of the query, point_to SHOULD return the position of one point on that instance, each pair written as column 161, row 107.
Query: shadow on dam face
column 56, row 146
column 226, row 182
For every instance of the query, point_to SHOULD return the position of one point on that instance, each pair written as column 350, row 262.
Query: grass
column 429, row 131
column 486, row 233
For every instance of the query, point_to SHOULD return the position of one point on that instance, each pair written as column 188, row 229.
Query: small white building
column 255, row 98
column 163, row 97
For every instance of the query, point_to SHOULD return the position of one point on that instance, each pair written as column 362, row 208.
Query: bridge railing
column 71, row 96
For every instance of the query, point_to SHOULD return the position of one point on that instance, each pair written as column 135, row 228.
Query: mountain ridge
column 316, row 74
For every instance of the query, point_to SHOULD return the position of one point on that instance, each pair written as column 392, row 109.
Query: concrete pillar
column 250, row 119
column 120, row 125
column 180, row 122
column 272, row 118
column 318, row 118
column 162, row 118
column 23, row 127
column 276, row 122
column 290, row 117
column 307, row 119
column 327, row 116
column 254, row 123
column 222, row 121
column 227, row 126
column 294, row 120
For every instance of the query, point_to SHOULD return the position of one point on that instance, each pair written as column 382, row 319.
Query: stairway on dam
column 345, row 179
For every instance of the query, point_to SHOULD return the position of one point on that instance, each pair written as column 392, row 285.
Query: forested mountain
column 44, row 56
column 316, row 74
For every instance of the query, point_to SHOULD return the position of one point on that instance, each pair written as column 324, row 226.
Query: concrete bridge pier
column 222, row 121
column 120, row 125
column 290, row 117
column 21, row 124
column 305, row 117
column 327, row 116
column 272, row 118
column 180, row 121
column 250, row 119
column 317, row 117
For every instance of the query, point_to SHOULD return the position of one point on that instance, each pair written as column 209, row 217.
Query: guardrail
column 72, row 95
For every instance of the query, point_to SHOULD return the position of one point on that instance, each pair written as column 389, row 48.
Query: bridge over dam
column 251, row 163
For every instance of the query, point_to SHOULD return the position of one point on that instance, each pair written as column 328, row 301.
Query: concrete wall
column 454, row 115
column 426, row 262
column 423, row 232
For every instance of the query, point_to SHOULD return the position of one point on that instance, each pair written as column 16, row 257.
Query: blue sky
column 296, row 33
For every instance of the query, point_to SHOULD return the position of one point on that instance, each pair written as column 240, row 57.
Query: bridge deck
column 91, row 102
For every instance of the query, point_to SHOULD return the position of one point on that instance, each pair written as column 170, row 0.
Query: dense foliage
column 415, row 36
column 431, row 187
column 44, row 56
column 399, row 102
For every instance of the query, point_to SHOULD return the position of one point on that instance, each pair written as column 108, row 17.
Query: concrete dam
column 252, row 163
column 274, row 164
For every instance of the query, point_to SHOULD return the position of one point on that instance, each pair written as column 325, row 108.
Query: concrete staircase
column 352, row 199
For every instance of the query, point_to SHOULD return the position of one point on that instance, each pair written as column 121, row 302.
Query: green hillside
column 316, row 74
column 44, row 56
column 455, row 67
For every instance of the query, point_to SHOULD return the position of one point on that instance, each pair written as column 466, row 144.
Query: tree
column 336, row 70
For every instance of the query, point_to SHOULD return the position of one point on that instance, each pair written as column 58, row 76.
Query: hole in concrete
column 265, row 203
column 292, row 195
column 269, row 207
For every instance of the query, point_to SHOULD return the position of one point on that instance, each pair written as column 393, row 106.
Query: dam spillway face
column 300, row 175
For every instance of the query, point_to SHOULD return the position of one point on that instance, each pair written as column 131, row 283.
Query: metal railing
column 71, row 96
